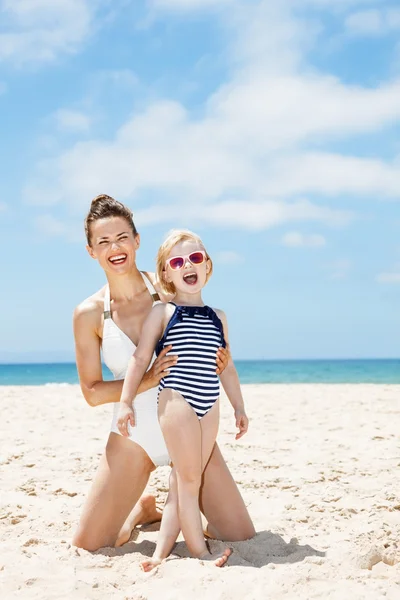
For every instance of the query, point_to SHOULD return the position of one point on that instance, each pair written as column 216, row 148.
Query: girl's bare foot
column 219, row 559
column 145, row 511
column 150, row 563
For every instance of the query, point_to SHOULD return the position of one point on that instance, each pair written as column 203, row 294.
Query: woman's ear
column 90, row 251
column 137, row 241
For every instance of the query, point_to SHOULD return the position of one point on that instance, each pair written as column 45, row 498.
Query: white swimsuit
column 117, row 350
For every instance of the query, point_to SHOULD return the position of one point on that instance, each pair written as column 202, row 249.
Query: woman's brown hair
column 104, row 206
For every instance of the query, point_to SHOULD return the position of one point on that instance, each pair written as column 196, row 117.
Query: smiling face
column 191, row 278
column 113, row 244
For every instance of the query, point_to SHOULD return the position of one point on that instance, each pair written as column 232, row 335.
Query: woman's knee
column 84, row 540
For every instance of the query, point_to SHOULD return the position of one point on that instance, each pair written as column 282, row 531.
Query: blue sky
column 270, row 128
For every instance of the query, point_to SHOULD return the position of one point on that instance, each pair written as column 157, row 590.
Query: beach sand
column 318, row 469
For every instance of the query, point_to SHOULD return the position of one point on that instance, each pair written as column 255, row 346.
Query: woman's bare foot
column 219, row 559
column 150, row 563
column 144, row 511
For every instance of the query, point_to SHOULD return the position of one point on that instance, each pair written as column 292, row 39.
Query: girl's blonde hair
column 176, row 236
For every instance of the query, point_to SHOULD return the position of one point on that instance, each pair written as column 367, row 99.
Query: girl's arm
column 138, row 364
column 230, row 382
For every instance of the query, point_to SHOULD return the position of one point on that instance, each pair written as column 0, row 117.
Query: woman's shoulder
column 90, row 310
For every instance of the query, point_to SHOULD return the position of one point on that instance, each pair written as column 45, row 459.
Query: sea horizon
column 257, row 371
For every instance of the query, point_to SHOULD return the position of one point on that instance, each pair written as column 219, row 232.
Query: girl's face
column 113, row 244
column 192, row 276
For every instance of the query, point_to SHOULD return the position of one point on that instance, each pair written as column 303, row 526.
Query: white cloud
column 335, row 174
column 72, row 120
column 123, row 77
column 389, row 277
column 243, row 214
column 259, row 144
column 340, row 269
column 338, row 4
column 373, row 22
column 294, row 239
column 229, row 257
column 187, row 5
column 50, row 226
column 40, row 30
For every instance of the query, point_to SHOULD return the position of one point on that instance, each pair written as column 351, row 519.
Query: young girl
column 188, row 403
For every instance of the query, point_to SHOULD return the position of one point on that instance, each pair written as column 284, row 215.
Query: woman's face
column 191, row 278
column 113, row 244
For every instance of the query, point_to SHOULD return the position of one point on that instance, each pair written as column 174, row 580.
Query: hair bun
column 99, row 198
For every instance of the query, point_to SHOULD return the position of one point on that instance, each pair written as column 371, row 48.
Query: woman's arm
column 88, row 360
column 231, row 384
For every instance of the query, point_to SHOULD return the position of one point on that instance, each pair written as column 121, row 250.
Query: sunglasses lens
column 196, row 258
column 176, row 263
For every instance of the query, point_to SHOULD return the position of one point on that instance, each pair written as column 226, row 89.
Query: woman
column 112, row 319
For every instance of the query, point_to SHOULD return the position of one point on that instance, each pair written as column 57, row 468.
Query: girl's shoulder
column 163, row 309
column 220, row 314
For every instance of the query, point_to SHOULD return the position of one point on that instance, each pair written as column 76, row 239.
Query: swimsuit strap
column 150, row 287
column 107, row 297
column 107, row 303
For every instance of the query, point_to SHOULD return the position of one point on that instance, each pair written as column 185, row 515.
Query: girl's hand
column 223, row 356
column 160, row 368
column 242, row 423
column 125, row 416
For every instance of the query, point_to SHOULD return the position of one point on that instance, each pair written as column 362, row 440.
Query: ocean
column 250, row 371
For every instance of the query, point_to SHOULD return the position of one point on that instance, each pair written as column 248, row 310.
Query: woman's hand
column 223, row 356
column 242, row 423
column 125, row 416
column 159, row 368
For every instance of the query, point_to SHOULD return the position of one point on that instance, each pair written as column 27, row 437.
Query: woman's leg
column 122, row 476
column 169, row 529
column 144, row 511
column 222, row 504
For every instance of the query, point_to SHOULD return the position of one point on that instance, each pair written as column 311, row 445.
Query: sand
column 319, row 471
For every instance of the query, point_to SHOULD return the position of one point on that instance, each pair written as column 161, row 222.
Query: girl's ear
column 165, row 276
column 208, row 266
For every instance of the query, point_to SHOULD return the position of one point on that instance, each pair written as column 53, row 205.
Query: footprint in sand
column 61, row 492
column 14, row 520
column 28, row 488
column 31, row 542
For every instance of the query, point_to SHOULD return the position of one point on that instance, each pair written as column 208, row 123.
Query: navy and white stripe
column 196, row 333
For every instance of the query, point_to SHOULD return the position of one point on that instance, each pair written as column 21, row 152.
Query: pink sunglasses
column 178, row 262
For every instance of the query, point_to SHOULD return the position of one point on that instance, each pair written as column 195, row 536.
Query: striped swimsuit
column 196, row 333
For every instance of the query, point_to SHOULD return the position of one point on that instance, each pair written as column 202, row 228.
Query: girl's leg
column 189, row 444
column 222, row 504
column 182, row 434
column 169, row 529
column 119, row 482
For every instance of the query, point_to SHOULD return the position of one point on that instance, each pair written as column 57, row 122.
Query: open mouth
column 190, row 278
column 118, row 259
